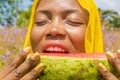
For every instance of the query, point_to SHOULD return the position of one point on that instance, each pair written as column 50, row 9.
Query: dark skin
column 21, row 69
column 60, row 24
column 61, row 27
column 114, row 59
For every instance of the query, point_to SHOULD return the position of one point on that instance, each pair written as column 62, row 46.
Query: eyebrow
column 43, row 11
column 48, row 12
column 70, row 11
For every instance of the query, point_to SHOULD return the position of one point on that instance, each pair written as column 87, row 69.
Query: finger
column 106, row 74
column 32, row 75
column 16, row 62
column 24, row 68
column 114, row 60
column 118, row 53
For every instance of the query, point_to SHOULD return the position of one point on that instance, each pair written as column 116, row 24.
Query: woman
column 56, row 26
column 89, row 19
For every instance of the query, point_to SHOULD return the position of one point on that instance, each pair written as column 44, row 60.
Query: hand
column 21, row 69
column 114, row 59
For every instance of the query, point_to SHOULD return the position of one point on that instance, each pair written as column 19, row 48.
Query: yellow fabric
column 93, row 36
column 27, row 40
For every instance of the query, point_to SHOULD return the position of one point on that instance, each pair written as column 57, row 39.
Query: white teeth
column 56, row 49
column 51, row 49
column 59, row 49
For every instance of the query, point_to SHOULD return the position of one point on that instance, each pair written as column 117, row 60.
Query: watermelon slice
column 75, row 66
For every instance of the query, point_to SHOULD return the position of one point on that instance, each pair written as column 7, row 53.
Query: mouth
column 55, row 49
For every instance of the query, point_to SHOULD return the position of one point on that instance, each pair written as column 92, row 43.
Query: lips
column 55, row 48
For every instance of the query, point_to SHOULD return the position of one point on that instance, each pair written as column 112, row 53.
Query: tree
column 23, row 19
column 110, row 18
column 10, row 11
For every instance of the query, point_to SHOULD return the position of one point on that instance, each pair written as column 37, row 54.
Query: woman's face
column 59, row 27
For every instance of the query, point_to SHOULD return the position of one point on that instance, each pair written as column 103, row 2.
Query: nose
column 56, row 32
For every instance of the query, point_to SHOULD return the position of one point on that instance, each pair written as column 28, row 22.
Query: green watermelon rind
column 65, row 68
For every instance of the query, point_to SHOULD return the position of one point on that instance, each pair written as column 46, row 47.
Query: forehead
column 58, row 4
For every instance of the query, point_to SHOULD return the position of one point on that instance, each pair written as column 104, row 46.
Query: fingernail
column 118, row 53
column 39, row 67
column 102, row 67
column 27, row 49
column 110, row 55
column 35, row 55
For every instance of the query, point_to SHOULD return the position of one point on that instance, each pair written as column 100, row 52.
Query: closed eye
column 74, row 23
column 41, row 23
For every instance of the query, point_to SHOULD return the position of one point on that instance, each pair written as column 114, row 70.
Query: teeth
column 56, row 49
column 59, row 49
column 51, row 49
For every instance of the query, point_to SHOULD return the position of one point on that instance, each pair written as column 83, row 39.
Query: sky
column 25, row 4
column 109, row 4
column 103, row 4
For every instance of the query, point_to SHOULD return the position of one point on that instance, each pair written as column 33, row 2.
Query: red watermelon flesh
column 75, row 55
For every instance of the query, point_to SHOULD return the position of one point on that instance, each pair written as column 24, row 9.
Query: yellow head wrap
column 93, row 36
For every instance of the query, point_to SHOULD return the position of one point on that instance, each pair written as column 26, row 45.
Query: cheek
column 77, row 36
column 36, row 36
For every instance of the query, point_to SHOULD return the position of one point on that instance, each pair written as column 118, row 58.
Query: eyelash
column 41, row 23
column 74, row 23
